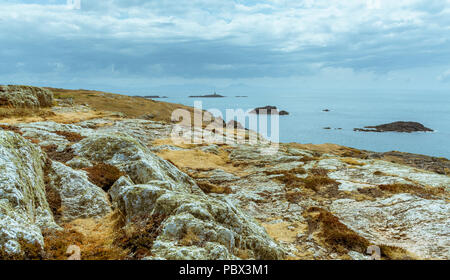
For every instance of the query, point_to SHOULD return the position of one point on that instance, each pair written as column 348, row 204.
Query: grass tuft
column 62, row 156
column 103, row 175
column 207, row 188
column 11, row 112
column 70, row 136
column 335, row 234
column 138, row 236
column 12, row 128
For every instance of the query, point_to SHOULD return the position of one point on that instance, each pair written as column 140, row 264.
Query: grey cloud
column 218, row 40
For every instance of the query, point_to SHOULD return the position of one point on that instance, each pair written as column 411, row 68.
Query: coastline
column 111, row 179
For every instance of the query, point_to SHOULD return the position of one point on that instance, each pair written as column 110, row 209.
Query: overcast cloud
column 161, row 46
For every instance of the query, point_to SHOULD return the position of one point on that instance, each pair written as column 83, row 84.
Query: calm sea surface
column 349, row 110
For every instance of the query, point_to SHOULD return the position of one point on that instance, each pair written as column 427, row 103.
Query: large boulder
column 79, row 197
column 194, row 226
column 24, row 210
column 133, row 158
column 25, row 96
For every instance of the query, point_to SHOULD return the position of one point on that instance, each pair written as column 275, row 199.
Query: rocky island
column 407, row 127
column 215, row 95
column 269, row 110
column 153, row 96
column 90, row 174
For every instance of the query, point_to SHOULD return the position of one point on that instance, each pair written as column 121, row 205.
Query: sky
column 196, row 46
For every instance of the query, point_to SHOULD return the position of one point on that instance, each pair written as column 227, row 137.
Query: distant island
column 407, row 127
column 215, row 95
column 269, row 110
column 241, row 96
column 151, row 96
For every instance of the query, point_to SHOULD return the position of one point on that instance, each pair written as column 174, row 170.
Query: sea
column 348, row 110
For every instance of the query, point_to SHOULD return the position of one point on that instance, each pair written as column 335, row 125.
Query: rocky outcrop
column 438, row 165
column 378, row 172
column 79, row 197
column 133, row 158
column 269, row 110
column 261, row 214
column 396, row 127
column 25, row 97
column 234, row 125
column 24, row 210
column 417, row 225
column 195, row 226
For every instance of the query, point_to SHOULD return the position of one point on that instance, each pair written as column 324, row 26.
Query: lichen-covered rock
column 197, row 226
column 25, row 96
column 52, row 133
column 131, row 157
column 114, row 191
column 79, row 163
column 79, row 197
column 24, row 210
column 415, row 224
column 388, row 173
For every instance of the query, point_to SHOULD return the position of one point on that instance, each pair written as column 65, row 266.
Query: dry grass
column 243, row 254
column 70, row 136
column 208, row 187
column 424, row 192
column 352, row 161
column 17, row 130
column 314, row 182
column 190, row 239
column 103, row 175
column 12, row 128
column 52, row 153
column 371, row 192
column 132, row 107
column 11, row 112
column 293, row 196
column 64, row 156
column 306, row 159
column 96, row 239
column 57, row 242
column 335, row 235
column 138, row 236
column 396, row 253
column 297, row 170
column 318, row 171
column 53, row 197
column 30, row 252
column 333, row 149
column 199, row 160
column 282, row 232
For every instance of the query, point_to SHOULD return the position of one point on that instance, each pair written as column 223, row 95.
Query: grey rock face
column 133, row 158
column 79, row 197
column 25, row 97
column 24, row 210
column 418, row 225
column 221, row 230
